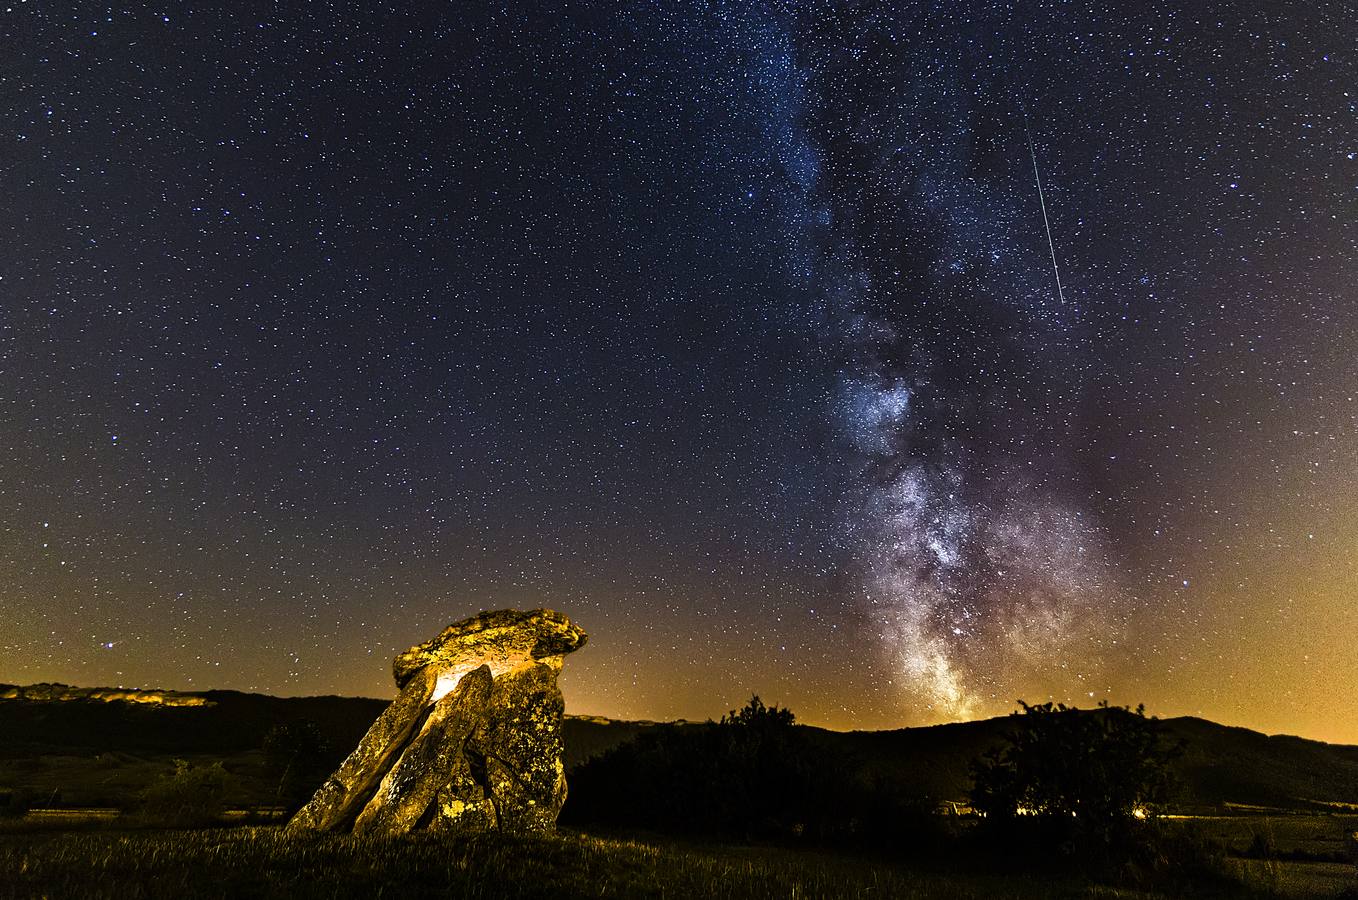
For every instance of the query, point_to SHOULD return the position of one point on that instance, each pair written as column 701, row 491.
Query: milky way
column 729, row 329
column 979, row 569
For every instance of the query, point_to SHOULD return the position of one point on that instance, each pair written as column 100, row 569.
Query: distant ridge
column 57, row 692
column 1223, row 768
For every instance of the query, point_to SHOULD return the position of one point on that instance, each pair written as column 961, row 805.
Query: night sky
column 730, row 330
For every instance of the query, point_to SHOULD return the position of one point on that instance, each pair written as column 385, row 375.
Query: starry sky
column 732, row 330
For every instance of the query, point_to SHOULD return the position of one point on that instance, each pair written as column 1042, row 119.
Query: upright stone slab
column 471, row 744
column 520, row 740
column 344, row 793
column 409, row 788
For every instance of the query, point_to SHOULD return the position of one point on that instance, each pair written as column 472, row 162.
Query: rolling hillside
column 85, row 747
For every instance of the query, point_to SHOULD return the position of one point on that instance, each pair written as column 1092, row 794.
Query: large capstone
column 471, row 743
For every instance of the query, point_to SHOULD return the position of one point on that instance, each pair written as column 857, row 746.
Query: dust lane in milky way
column 732, row 330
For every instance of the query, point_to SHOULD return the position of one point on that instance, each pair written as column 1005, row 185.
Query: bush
column 15, row 803
column 189, row 798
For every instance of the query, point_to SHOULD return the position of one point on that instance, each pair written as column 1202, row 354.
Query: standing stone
column 344, row 793
column 412, row 783
column 471, row 744
column 520, row 740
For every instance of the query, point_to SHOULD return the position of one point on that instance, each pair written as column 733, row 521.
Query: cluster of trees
column 743, row 775
column 1066, row 780
column 754, row 774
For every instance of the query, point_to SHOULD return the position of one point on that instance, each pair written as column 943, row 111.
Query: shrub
column 15, row 803
column 189, row 797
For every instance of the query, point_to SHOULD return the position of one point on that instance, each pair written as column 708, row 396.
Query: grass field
column 1314, row 838
column 261, row 862
column 69, row 853
column 116, row 778
column 1301, row 856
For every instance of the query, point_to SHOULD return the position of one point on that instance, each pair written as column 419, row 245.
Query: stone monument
column 473, row 741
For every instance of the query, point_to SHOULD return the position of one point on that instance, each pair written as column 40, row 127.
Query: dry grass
column 262, row 862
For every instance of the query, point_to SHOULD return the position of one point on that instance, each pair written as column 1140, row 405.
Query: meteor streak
column 1042, row 201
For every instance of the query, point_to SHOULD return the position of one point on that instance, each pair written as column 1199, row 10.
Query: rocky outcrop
column 473, row 741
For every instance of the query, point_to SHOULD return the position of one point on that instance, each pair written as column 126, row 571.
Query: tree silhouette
column 754, row 773
column 1085, row 778
column 297, row 755
column 756, row 716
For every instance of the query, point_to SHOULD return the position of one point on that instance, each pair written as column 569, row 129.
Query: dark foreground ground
column 260, row 862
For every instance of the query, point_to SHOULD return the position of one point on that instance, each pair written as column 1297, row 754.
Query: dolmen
column 471, row 744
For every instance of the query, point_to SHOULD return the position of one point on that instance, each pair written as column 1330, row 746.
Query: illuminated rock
column 520, row 740
column 471, row 744
column 505, row 640
column 338, row 801
column 437, row 752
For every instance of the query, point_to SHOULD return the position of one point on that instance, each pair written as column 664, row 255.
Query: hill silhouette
column 1221, row 765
